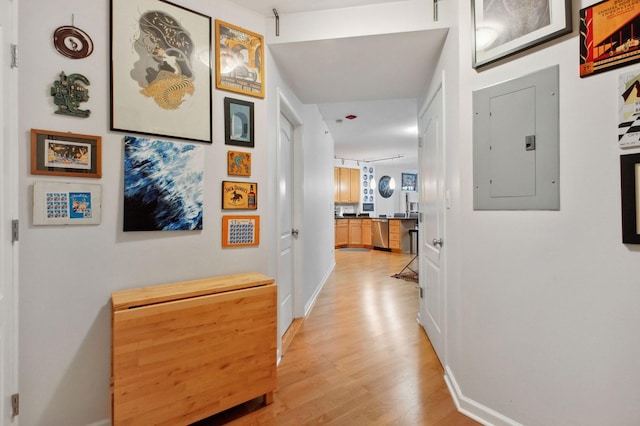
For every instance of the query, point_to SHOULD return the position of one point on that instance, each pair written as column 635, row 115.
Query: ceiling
column 376, row 78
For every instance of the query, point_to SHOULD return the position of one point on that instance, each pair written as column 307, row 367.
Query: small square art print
column 239, row 163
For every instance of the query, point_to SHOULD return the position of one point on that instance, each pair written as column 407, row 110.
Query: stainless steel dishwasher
column 380, row 233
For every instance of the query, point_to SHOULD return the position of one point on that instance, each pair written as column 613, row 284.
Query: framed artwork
column 239, row 195
column 238, row 122
column 503, row 28
column 239, row 60
column 59, row 203
column 238, row 163
column 65, row 154
column 409, row 181
column 160, row 70
column 240, row 231
column 630, row 191
column 163, row 185
column 629, row 108
column 607, row 36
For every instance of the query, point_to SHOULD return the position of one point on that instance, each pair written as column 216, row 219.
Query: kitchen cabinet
column 346, row 185
column 366, row 233
column 355, row 232
column 341, row 232
column 399, row 237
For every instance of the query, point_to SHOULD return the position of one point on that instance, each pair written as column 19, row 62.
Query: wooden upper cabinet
column 346, row 186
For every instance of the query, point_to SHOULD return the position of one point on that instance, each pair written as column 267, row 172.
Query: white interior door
column 8, row 206
column 285, row 280
column 431, row 229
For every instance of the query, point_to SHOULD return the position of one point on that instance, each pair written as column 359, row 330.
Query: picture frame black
column 161, row 73
column 409, row 181
column 503, row 28
column 629, row 185
column 238, row 123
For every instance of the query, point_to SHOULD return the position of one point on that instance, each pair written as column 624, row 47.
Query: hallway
column 359, row 358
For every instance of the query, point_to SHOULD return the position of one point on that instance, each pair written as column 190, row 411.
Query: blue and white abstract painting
column 163, row 185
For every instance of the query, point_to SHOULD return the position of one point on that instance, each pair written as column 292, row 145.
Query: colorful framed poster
column 160, row 70
column 163, row 185
column 65, row 154
column 240, row 231
column 630, row 191
column 239, row 195
column 409, row 181
column 58, row 203
column 238, row 122
column 608, row 36
column 239, row 60
column 238, row 163
column 503, row 28
column 629, row 109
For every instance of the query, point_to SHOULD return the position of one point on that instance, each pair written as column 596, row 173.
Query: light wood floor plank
column 359, row 358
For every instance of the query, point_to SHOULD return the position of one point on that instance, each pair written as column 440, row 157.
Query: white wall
column 396, row 203
column 542, row 313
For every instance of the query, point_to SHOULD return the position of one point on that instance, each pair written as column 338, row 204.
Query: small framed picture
column 409, row 181
column 65, row 154
column 630, row 194
column 238, row 163
column 240, row 231
column 239, row 195
column 239, row 60
column 238, row 122
column 56, row 203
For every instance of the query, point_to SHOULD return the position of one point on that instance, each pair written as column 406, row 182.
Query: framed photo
column 239, row 163
column 65, row 154
column 240, row 231
column 160, row 70
column 630, row 191
column 239, row 195
column 238, row 122
column 503, row 28
column 239, row 60
column 607, row 36
column 409, row 181
column 56, row 203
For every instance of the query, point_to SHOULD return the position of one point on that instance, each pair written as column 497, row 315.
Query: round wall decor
column 385, row 186
column 72, row 42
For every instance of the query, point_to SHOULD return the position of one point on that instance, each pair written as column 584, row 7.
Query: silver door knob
column 295, row 232
column 437, row 242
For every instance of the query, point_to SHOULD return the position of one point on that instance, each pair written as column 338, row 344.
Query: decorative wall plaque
column 68, row 94
column 72, row 42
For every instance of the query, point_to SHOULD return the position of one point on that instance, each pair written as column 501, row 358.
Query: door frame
column 9, row 208
column 439, row 91
column 284, row 107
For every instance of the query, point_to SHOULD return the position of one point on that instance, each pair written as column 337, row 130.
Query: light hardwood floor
column 359, row 358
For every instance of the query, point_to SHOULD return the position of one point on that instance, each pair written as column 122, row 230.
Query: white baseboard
column 474, row 409
column 101, row 423
column 309, row 304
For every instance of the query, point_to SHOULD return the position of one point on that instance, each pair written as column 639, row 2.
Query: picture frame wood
column 239, row 60
column 240, row 231
column 161, row 74
column 630, row 197
column 238, row 163
column 503, row 28
column 239, row 195
column 607, row 36
column 238, row 123
column 65, row 154
column 63, row 203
